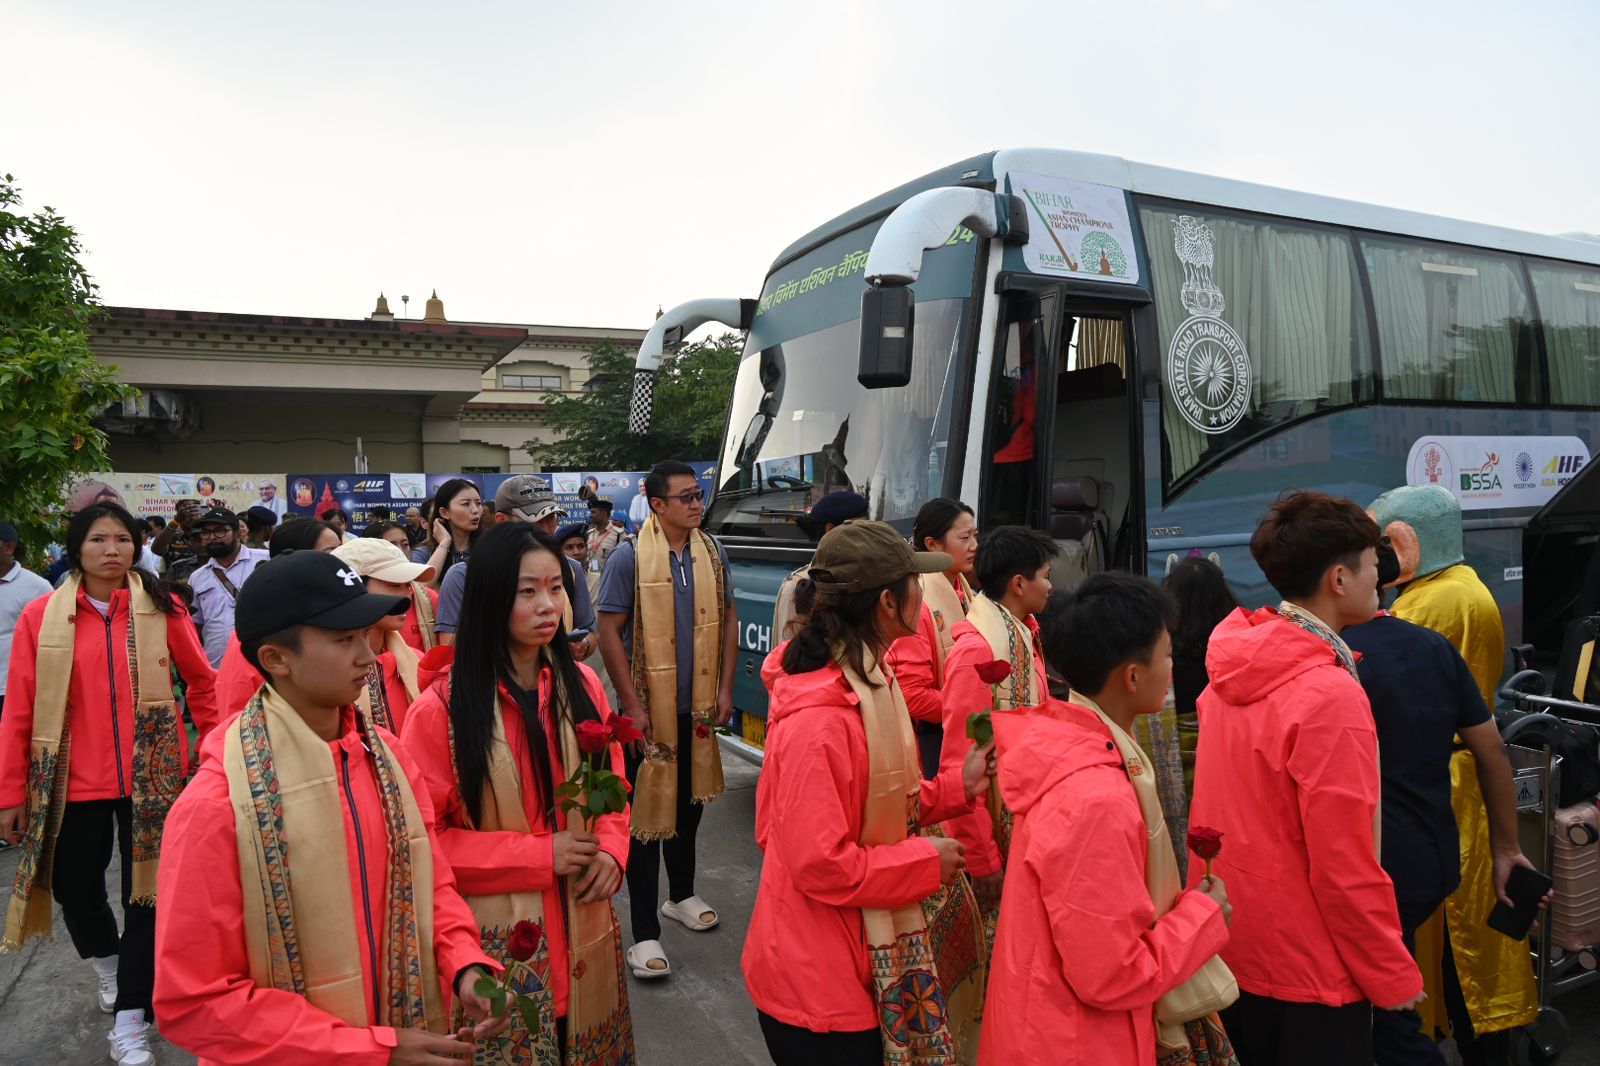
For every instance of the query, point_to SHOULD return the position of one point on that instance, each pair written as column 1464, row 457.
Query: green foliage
column 51, row 385
column 590, row 431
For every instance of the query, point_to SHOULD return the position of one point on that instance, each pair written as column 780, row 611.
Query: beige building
column 265, row 392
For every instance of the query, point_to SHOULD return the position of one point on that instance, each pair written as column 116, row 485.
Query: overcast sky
column 579, row 164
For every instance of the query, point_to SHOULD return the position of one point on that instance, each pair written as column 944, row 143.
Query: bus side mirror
column 887, row 314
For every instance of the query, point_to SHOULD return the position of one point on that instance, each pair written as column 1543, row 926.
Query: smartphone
column 576, row 635
column 1526, row 887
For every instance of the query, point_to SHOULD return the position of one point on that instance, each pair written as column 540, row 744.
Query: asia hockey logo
column 1208, row 368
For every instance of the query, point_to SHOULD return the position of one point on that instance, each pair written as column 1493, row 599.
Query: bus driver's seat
column 1078, row 525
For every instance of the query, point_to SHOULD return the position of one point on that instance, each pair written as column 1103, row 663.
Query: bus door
column 1061, row 429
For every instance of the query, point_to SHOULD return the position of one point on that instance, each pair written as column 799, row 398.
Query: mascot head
column 1423, row 524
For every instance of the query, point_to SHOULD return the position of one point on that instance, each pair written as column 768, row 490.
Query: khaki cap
column 376, row 557
column 861, row 554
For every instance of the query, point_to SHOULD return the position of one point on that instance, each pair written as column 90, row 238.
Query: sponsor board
column 1484, row 473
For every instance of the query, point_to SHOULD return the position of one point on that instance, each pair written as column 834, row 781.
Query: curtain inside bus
column 1569, row 315
column 1291, row 294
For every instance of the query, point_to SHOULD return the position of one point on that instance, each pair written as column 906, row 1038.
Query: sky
column 583, row 164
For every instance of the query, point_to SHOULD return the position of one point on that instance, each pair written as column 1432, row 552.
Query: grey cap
column 529, row 497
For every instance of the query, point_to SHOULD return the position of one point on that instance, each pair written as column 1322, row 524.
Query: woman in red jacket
column 837, row 959
column 942, row 525
column 495, row 739
column 92, row 661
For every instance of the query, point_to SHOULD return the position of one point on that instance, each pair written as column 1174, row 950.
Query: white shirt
column 17, row 589
column 213, row 603
column 639, row 510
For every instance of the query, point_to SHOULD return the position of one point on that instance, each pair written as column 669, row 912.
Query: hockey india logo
column 1208, row 368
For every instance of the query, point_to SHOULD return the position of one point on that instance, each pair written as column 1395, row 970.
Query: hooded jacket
column 1287, row 769
column 1080, row 959
column 805, row 955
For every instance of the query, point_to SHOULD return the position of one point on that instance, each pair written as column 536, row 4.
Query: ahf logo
column 1208, row 368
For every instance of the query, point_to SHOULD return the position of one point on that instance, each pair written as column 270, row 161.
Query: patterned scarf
column 422, row 609
column 599, row 1022
column 1297, row 615
column 157, row 754
column 374, row 699
column 1012, row 641
column 300, row 931
column 912, row 1010
column 947, row 604
column 655, row 677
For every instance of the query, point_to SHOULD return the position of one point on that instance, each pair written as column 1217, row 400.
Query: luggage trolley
column 1565, row 843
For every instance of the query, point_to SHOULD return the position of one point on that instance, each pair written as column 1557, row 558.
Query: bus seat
column 1075, row 516
column 1091, row 383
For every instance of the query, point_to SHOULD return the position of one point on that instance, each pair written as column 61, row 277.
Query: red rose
column 623, row 731
column 523, row 942
column 1204, row 842
column 702, row 730
column 993, row 672
column 593, row 737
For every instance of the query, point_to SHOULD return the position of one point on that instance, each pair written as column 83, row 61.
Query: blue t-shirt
column 1422, row 694
column 616, row 597
column 455, row 583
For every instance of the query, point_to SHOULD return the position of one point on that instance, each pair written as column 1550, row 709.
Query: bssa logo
column 1483, row 479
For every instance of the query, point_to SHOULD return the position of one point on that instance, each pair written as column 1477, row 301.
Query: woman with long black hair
column 495, row 738
column 90, row 662
column 457, row 521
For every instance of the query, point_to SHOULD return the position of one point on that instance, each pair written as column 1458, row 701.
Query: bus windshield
column 801, row 426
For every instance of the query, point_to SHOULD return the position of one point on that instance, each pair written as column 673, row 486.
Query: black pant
column 644, row 860
column 1275, row 1032
column 1489, row 1049
column 790, row 1045
column 83, row 851
column 1397, row 1036
column 930, row 743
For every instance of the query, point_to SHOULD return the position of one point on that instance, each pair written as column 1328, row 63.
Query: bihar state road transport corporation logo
column 1208, row 368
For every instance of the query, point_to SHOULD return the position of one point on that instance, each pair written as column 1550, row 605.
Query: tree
column 51, row 386
column 693, row 388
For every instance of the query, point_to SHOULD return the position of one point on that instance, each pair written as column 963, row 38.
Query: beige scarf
column 916, row 1022
column 948, row 606
column 599, row 1023
column 1212, row 987
column 157, row 754
column 655, row 677
column 300, row 932
column 426, row 624
column 373, row 703
column 1009, row 639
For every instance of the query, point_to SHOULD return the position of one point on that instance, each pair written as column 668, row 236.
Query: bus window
column 1014, row 415
column 1262, row 323
column 1569, row 316
column 1451, row 324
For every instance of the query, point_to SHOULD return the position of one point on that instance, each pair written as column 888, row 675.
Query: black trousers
column 1275, row 1032
column 1490, row 1049
column 644, row 860
column 83, row 851
column 930, row 743
column 790, row 1045
column 1397, row 1036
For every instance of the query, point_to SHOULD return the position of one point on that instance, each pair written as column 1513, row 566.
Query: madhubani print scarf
column 300, row 931
column 157, row 754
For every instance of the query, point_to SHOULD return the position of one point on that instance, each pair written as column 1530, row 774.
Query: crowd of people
column 370, row 800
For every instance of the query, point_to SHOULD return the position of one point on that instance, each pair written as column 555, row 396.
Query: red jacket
column 1080, row 959
column 237, row 680
column 965, row 693
column 100, row 704
column 206, row 1002
column 805, row 954
column 487, row 863
column 412, row 631
column 1288, row 770
column 915, row 662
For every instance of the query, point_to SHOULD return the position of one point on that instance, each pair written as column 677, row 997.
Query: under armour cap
column 861, row 554
column 379, row 559
column 217, row 516
column 528, row 496
column 307, row 588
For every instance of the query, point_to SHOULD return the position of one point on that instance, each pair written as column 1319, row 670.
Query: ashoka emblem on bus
column 1208, row 368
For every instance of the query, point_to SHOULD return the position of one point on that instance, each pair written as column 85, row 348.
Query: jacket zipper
column 116, row 728
column 366, row 892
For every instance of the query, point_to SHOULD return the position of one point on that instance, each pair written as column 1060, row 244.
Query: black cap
column 217, row 516
column 262, row 516
column 602, row 502
column 307, row 588
column 831, row 510
column 8, row 532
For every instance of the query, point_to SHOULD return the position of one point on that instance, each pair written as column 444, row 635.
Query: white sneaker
column 130, row 1040
column 106, row 970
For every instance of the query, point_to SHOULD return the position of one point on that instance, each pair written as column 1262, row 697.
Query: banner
column 158, row 494
column 358, row 494
column 1076, row 229
column 1491, row 472
column 624, row 488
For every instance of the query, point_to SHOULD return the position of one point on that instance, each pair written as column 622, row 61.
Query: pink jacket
column 1288, row 771
column 100, row 705
column 206, row 1001
column 1080, row 959
column 488, row 863
column 237, row 680
column 915, row 662
column 805, row 954
column 964, row 693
